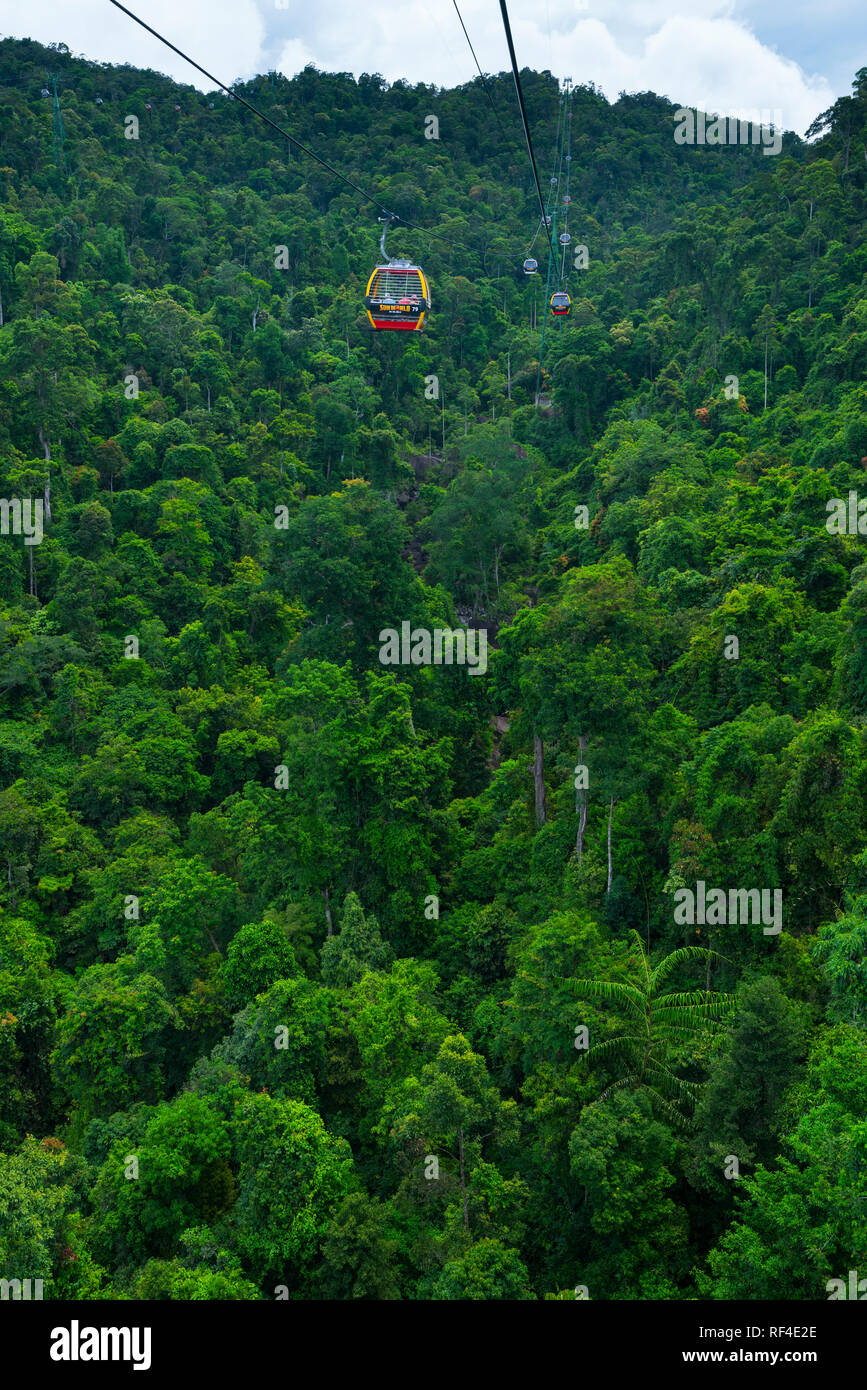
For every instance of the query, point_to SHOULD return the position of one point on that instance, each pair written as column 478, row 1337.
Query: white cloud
column 295, row 55
column 624, row 45
column 695, row 57
column 728, row 69
column 696, row 61
column 227, row 38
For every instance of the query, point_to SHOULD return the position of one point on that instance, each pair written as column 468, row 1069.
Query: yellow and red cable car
column 397, row 296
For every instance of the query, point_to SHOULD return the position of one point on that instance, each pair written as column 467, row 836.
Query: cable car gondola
column 397, row 296
column 531, row 265
column 561, row 304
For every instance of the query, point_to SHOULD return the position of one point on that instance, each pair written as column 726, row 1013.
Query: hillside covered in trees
column 324, row 978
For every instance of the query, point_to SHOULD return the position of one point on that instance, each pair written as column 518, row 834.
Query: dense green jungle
column 324, row 978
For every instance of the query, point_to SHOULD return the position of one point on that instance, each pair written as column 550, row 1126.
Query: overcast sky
column 794, row 56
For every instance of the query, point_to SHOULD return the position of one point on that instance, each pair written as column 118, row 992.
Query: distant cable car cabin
column 397, row 296
column 45, row 92
column 531, row 265
column 561, row 304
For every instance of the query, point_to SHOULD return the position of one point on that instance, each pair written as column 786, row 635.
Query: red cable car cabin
column 398, row 296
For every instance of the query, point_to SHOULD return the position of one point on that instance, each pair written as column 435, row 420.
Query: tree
column 477, row 531
column 49, row 359
column 579, row 672
column 397, row 1027
column 151, row 1187
column 359, row 1254
column 661, row 1026
column 766, row 338
column 112, row 1038
column 357, row 947
column 258, row 955
column 757, row 1059
column 278, row 1042
column 801, row 1224
column 170, row 1279
column 454, row 1102
column 40, row 1232
column 29, row 991
column 487, row 1272
column 841, row 946
column 192, row 904
column 632, row 1235
column 669, row 385
column 292, row 1178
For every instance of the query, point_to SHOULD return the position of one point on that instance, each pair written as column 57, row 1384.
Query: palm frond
column 684, row 1088
column 680, row 957
column 604, row 1049
column 700, row 998
column 618, row 1085
column 614, row 991
column 676, row 1116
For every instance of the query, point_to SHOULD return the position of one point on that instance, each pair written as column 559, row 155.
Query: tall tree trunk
column 582, row 826
column 210, row 934
column 582, row 805
column 328, row 921
column 539, row 779
column 46, row 449
column 610, row 859
column 463, row 1178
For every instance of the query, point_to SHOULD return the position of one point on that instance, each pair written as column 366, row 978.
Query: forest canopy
column 322, row 977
